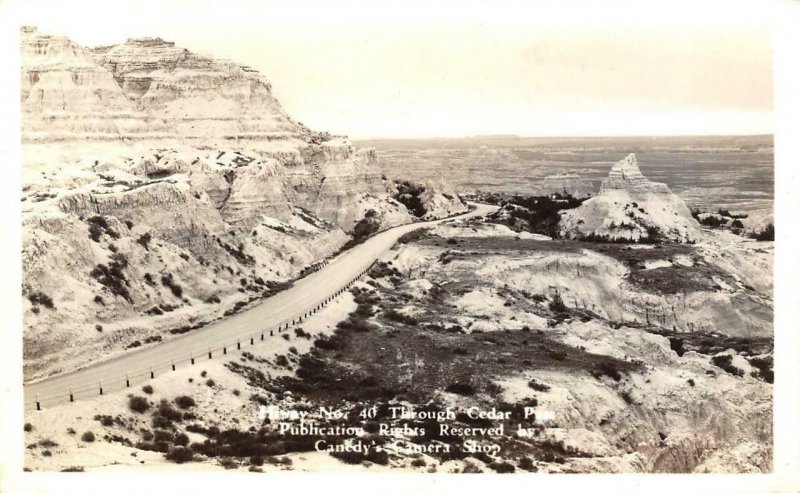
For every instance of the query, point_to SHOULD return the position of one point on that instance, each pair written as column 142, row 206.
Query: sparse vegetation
column 538, row 386
column 168, row 281
column 147, row 389
column 138, row 404
column 113, row 277
column 144, row 240
column 39, row 298
column 184, row 402
column 766, row 234
column 88, row 437
column 724, row 361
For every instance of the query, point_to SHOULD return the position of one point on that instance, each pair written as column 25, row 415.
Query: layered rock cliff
column 162, row 189
column 630, row 207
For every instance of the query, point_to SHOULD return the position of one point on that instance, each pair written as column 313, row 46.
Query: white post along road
column 286, row 307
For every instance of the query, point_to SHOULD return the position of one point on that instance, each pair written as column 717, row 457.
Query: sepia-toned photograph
column 261, row 239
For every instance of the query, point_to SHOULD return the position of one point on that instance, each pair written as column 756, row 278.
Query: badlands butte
column 164, row 190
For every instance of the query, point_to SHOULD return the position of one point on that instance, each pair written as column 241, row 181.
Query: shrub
column 184, row 402
column 147, row 389
column 210, row 382
column 227, row 463
column 766, row 234
column 461, row 388
column 144, row 240
column 724, row 361
column 169, row 282
column 28, row 427
column 257, row 460
column 557, row 304
column 179, row 455
column 113, row 277
column 87, row 436
column 764, row 367
column 609, row 369
column 138, row 404
column 181, row 439
column 39, row 298
column 162, row 436
column 203, row 373
column 165, row 415
column 502, row 467
column 99, row 300
column 538, row 386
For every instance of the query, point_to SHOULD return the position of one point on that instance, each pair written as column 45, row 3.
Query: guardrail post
column 251, row 341
column 127, row 380
column 152, row 375
column 71, row 397
column 238, row 345
column 191, row 356
column 173, row 365
column 270, row 333
column 262, row 336
column 209, row 353
column 100, row 384
column 38, row 406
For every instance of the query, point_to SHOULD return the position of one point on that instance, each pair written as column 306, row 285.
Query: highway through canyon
column 230, row 333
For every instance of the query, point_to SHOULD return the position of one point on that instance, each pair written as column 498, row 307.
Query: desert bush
column 144, row 240
column 181, row 439
column 557, row 304
column 725, row 362
column 461, row 388
column 184, row 402
column 138, row 404
column 538, row 386
column 87, row 437
column 168, row 281
column 210, row 383
column 179, row 455
column 766, row 234
column 502, row 467
column 764, row 366
column 162, row 436
column 147, row 389
column 165, row 415
column 28, row 427
column 609, row 369
column 39, row 298
column 396, row 316
column 73, row 469
column 113, row 277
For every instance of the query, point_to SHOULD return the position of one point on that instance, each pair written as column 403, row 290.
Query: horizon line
column 606, row 136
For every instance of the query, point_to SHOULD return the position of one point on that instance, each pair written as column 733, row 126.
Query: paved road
column 305, row 295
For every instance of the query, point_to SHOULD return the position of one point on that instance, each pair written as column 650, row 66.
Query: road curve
column 277, row 311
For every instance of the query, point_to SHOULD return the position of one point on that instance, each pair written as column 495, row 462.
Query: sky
column 437, row 69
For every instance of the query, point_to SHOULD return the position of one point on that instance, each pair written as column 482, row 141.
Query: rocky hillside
column 630, row 207
column 163, row 189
